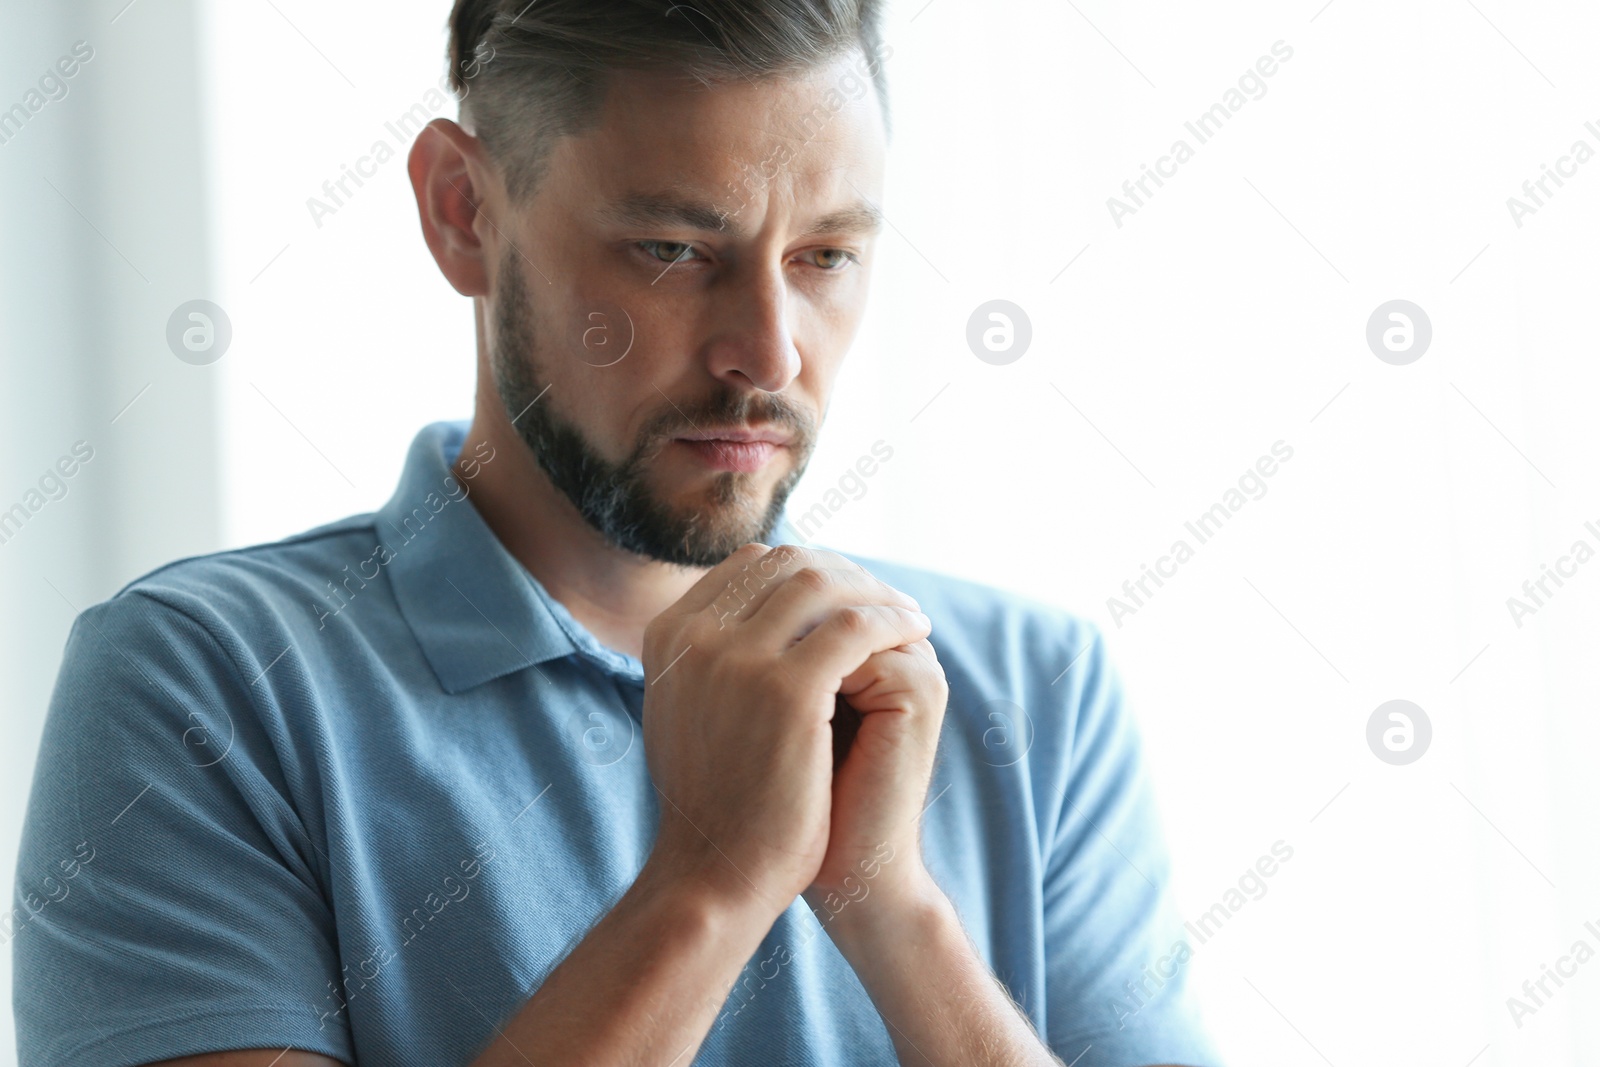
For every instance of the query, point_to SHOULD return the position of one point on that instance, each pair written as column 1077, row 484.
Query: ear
column 451, row 178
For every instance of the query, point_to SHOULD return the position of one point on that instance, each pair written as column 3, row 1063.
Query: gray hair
column 530, row 71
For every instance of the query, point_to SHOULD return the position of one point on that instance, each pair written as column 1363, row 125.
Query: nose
column 752, row 346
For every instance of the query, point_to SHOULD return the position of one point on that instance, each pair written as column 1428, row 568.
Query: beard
column 616, row 498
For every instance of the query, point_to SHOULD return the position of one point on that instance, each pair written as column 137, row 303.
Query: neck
column 614, row 594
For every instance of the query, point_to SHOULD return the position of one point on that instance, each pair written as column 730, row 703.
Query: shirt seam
column 238, row 673
column 256, row 710
column 358, row 522
column 274, row 1010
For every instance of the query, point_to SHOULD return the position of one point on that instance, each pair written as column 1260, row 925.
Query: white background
column 1168, row 354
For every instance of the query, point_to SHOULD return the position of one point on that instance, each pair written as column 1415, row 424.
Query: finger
column 860, row 579
column 750, row 585
column 797, row 560
column 845, row 640
column 714, row 581
column 887, row 679
column 808, row 596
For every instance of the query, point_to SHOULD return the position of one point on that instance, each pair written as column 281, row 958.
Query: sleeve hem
column 214, row 1029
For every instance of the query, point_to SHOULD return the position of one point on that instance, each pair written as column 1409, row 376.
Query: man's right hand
column 741, row 676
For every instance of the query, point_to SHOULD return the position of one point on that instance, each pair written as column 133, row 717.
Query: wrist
column 881, row 909
column 880, row 934
column 707, row 900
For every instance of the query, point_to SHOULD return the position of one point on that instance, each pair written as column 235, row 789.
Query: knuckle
column 657, row 631
column 813, row 578
column 769, row 562
column 788, row 554
column 854, row 619
column 878, row 585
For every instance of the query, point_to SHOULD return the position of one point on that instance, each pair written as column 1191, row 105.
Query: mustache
column 727, row 407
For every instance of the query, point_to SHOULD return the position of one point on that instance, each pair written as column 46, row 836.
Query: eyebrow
column 671, row 209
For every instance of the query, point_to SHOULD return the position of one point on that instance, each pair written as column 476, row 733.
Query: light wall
column 104, row 232
column 1169, row 352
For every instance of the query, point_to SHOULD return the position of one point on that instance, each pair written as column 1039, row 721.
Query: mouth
column 733, row 449
column 738, row 434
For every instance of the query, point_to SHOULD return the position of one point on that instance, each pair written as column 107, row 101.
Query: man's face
column 677, row 273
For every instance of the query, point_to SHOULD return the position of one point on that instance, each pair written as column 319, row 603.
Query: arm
column 680, row 947
column 939, row 999
column 904, row 938
column 742, row 762
column 892, row 922
column 744, row 819
column 888, row 917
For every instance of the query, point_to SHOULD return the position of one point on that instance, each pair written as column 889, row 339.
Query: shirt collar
column 467, row 600
column 475, row 610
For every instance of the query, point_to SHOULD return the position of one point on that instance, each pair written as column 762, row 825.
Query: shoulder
column 225, row 612
column 207, row 656
column 1039, row 670
column 986, row 624
column 237, row 584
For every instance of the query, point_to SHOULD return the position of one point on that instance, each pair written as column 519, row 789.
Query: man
column 570, row 754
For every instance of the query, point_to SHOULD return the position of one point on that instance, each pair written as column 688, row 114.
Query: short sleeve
column 1116, row 951
column 168, row 900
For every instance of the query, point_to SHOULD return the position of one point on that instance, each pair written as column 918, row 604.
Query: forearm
column 643, row 986
column 942, row 1004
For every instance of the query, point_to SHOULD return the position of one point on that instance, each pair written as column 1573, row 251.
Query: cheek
column 602, row 334
column 826, row 329
column 610, row 405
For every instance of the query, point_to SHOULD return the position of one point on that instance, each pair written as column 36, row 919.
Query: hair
column 530, row 71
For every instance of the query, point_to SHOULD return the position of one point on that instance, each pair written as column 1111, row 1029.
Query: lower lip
column 732, row 455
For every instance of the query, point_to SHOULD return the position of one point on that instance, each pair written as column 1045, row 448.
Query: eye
column 666, row 251
column 841, row 260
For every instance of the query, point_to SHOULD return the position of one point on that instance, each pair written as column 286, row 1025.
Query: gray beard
column 614, row 498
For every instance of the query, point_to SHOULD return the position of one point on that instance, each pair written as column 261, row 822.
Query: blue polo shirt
column 360, row 790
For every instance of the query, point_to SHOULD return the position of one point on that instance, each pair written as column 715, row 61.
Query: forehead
column 800, row 140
